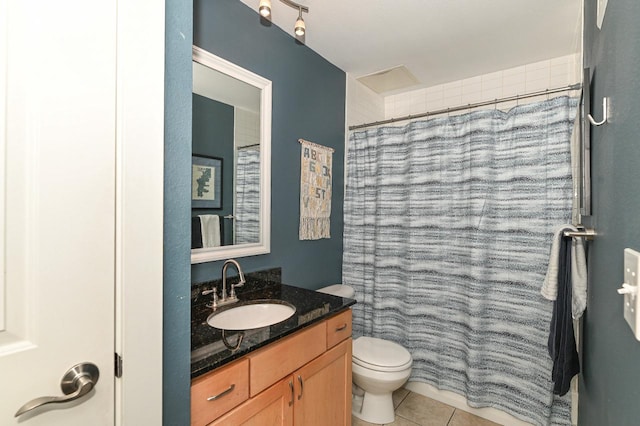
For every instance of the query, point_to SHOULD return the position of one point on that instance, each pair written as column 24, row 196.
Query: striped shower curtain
column 247, row 203
column 448, row 224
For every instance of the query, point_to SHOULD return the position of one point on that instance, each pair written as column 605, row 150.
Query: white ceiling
column 437, row 40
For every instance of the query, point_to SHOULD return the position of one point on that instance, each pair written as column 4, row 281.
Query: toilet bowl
column 379, row 367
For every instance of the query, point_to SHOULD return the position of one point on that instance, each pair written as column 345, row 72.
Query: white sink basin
column 259, row 313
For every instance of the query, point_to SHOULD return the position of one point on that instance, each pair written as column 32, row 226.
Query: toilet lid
column 380, row 355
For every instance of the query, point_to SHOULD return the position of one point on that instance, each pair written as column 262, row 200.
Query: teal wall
column 176, row 378
column 308, row 103
column 212, row 135
column 610, row 384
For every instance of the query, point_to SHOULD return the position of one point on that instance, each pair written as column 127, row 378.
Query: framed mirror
column 231, row 160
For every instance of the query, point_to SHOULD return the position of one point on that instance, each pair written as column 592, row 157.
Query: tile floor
column 413, row 409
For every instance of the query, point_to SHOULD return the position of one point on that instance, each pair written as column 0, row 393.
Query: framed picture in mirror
column 206, row 182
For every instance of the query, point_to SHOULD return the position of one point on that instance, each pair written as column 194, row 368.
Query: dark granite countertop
column 208, row 350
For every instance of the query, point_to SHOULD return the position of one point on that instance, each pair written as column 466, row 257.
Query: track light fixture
column 264, row 8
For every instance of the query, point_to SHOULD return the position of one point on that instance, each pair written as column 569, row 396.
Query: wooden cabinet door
column 323, row 389
column 273, row 407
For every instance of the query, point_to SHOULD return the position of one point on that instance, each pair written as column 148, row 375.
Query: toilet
column 379, row 367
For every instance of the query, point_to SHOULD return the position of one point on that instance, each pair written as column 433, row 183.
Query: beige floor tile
column 401, row 421
column 357, row 422
column 424, row 411
column 399, row 396
column 462, row 418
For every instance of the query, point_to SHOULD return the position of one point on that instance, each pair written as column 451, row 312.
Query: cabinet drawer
column 218, row 392
column 270, row 364
column 338, row 328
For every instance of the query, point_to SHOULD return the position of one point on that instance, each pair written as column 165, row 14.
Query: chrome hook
column 605, row 113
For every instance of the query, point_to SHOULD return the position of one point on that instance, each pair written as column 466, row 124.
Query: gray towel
column 578, row 272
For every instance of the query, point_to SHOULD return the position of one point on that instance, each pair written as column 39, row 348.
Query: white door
column 57, row 205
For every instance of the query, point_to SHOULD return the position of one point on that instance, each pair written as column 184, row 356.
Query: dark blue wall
column 308, row 102
column 176, row 380
column 213, row 130
column 609, row 389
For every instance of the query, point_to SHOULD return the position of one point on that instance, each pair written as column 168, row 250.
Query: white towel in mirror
column 210, row 224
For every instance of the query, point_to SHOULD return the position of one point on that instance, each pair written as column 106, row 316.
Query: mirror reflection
column 226, row 160
column 231, row 161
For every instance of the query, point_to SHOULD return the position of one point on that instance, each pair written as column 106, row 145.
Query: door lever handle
column 78, row 381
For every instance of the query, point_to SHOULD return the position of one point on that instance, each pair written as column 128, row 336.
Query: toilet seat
column 380, row 355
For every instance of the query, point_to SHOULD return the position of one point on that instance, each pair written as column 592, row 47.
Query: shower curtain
column 448, row 224
column 247, row 203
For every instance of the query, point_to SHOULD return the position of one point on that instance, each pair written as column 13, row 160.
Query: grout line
column 451, row 418
column 401, row 401
column 395, row 410
column 409, row 420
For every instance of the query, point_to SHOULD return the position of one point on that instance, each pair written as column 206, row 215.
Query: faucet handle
column 214, row 302
column 232, row 294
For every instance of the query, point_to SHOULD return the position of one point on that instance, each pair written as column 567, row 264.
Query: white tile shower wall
column 548, row 74
column 247, row 127
column 363, row 104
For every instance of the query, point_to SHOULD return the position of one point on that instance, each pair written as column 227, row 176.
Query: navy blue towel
column 196, row 233
column 562, row 342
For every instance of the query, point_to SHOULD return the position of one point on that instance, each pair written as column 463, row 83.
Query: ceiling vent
column 389, row 80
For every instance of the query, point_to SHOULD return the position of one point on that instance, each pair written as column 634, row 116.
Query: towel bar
column 582, row 233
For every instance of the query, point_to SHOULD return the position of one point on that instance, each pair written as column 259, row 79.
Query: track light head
column 299, row 28
column 265, row 9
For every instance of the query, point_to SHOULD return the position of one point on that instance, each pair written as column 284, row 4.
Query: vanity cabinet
column 303, row 379
column 322, row 392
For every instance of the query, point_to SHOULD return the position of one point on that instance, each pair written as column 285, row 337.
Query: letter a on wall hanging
column 315, row 190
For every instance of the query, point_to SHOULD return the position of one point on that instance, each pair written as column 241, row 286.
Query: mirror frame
column 264, row 245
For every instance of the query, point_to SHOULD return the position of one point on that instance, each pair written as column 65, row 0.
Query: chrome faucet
column 232, row 295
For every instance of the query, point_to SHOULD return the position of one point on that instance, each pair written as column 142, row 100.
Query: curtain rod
column 576, row 86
